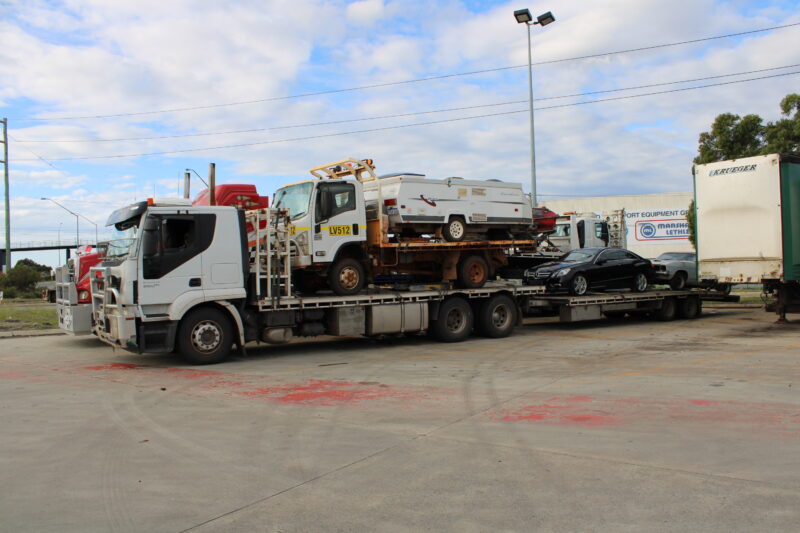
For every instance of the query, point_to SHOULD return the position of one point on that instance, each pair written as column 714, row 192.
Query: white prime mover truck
column 748, row 225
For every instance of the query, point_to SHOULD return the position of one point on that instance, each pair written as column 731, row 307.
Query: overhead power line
column 372, row 130
column 406, row 82
column 400, row 115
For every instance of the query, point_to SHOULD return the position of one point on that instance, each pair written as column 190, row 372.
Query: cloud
column 365, row 11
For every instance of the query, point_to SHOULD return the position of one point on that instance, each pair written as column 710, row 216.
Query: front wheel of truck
column 205, row 336
column 346, row 277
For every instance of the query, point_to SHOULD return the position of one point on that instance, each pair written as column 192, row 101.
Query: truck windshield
column 295, row 198
column 561, row 230
column 120, row 243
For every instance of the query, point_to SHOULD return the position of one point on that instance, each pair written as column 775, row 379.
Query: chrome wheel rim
column 641, row 282
column 206, row 336
column 580, row 285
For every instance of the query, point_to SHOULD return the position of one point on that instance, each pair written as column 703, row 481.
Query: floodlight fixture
column 523, row 16
column 544, row 20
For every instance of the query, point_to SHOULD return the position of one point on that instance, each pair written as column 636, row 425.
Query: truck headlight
column 562, row 272
column 83, row 295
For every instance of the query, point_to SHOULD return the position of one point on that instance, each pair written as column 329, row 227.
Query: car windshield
column 120, row 244
column 676, row 256
column 295, row 198
column 579, row 256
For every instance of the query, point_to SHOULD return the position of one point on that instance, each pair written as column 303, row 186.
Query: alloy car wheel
column 579, row 285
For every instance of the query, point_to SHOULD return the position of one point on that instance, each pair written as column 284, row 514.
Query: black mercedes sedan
column 593, row 269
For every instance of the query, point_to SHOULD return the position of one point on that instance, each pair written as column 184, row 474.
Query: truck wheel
column 667, row 310
column 639, row 282
column 689, row 307
column 205, row 336
column 473, row 272
column 579, row 285
column 614, row 315
column 724, row 288
column 678, row 281
column 346, row 277
column 497, row 317
column 454, row 321
column 455, row 230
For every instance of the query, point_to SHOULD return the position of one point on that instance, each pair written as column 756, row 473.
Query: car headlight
column 562, row 272
column 83, row 295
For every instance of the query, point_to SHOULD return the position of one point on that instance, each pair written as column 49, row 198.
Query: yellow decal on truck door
column 340, row 230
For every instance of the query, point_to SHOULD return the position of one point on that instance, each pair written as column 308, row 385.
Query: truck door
column 338, row 218
column 170, row 258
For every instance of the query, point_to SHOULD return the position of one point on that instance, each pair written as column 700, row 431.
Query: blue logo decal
column 648, row 230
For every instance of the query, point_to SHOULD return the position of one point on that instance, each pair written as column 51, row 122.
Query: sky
column 109, row 102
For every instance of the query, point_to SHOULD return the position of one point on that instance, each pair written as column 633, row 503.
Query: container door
column 790, row 211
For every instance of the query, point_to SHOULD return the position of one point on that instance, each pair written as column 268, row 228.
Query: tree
column 690, row 218
column 783, row 136
column 22, row 277
column 732, row 136
column 43, row 270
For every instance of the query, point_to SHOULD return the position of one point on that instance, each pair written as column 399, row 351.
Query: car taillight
column 83, row 296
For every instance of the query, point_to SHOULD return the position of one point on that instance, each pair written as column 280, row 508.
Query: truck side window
column 168, row 241
column 598, row 230
column 334, row 199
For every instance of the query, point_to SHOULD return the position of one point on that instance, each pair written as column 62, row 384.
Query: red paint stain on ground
column 115, row 366
column 328, row 393
column 605, row 411
column 315, row 392
column 574, row 413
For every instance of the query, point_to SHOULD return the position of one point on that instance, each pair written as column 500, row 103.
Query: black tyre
column 667, row 310
column 614, row 315
column 205, row 336
column 497, row 317
column 639, row 282
column 724, row 288
column 454, row 321
column 473, row 271
column 454, row 230
column 690, row 307
column 579, row 285
column 678, row 281
column 346, row 277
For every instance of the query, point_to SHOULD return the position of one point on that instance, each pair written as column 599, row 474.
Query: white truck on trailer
column 748, row 224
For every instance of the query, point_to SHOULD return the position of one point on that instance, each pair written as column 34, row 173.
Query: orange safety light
column 150, row 201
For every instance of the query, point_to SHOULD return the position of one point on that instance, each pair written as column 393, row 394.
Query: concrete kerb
column 30, row 333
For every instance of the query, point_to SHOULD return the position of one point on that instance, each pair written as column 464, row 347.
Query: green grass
column 22, row 316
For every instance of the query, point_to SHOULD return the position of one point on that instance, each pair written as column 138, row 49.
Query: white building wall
column 656, row 222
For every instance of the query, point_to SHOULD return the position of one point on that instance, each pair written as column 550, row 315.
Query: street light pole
column 523, row 16
column 77, row 221
column 59, row 243
column 534, row 200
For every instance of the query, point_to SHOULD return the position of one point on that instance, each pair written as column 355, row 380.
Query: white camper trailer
column 459, row 208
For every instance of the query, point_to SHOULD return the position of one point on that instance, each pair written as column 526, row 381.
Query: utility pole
column 212, row 184
column 8, row 207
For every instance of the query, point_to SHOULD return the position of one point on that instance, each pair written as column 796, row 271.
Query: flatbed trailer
column 663, row 305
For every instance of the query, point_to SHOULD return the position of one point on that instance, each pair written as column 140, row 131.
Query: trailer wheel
column 639, row 282
column 579, row 285
column 678, row 281
column 205, row 336
column 473, row 272
column 667, row 310
column 455, row 229
column 497, row 317
column 724, row 288
column 454, row 321
column 689, row 307
column 614, row 315
column 346, row 277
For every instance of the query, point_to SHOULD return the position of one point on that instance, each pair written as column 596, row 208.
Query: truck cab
column 575, row 231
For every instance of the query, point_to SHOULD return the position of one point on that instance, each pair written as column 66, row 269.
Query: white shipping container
column 739, row 220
